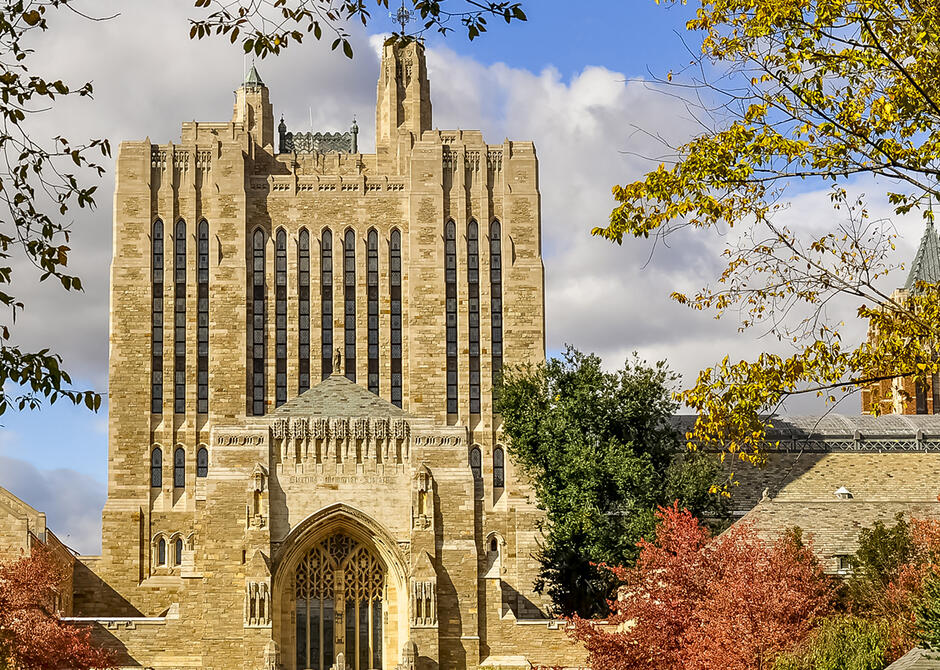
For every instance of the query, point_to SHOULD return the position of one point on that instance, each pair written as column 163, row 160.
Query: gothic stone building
column 305, row 470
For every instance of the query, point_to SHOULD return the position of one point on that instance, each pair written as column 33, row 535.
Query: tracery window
column 202, row 318
column 303, row 310
column 476, row 469
column 257, row 324
column 496, row 302
column 473, row 289
column 202, row 462
column 156, row 468
column 179, row 468
column 499, row 468
column 280, row 318
column 349, row 299
column 394, row 266
column 339, row 576
column 326, row 303
column 372, row 283
column 156, row 328
column 179, row 319
column 178, row 552
column 450, row 281
column 161, row 552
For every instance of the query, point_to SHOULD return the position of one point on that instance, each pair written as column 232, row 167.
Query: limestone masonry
column 305, row 470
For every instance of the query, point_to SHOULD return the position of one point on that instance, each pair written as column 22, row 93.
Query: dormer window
column 843, row 493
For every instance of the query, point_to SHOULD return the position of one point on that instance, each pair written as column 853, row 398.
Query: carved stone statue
column 340, row 663
column 337, row 361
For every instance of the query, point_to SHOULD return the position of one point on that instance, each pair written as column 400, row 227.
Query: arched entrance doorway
column 339, row 592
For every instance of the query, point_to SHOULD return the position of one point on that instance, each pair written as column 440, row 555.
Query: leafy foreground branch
column 39, row 183
column 800, row 92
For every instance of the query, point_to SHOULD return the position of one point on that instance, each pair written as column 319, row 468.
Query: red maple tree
column 32, row 636
column 693, row 602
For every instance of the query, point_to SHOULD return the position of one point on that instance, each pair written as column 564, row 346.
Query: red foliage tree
column 32, row 637
column 694, row 603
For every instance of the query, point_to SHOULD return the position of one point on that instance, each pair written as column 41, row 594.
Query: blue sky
column 569, row 80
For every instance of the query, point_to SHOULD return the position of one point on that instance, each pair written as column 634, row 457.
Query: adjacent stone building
column 305, row 469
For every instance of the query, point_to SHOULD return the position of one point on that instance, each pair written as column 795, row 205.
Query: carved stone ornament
column 279, row 429
column 360, row 429
column 380, row 429
column 401, row 429
column 339, row 429
column 298, row 429
column 337, row 360
column 319, row 429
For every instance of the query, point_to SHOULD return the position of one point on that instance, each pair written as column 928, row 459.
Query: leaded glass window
column 499, row 468
column 349, row 301
column 178, row 551
column 303, row 311
column 156, row 468
column 179, row 468
column 179, row 319
column 496, row 303
column 280, row 318
column 394, row 266
column 473, row 290
column 156, row 328
column 450, row 284
column 257, row 323
column 161, row 552
column 326, row 303
column 202, row 462
column 372, row 287
column 202, row 318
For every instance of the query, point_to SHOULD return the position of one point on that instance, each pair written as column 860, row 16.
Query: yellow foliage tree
column 824, row 90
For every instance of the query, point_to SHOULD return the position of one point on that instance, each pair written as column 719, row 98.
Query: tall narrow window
column 450, row 280
column 372, row 281
column 496, row 302
column 156, row 468
column 280, row 318
column 394, row 266
column 476, row 464
column 349, row 300
column 257, row 324
column 326, row 303
column 179, row 468
column 178, row 551
column 161, row 552
column 156, row 328
column 499, row 468
column 202, row 462
column 473, row 289
column 179, row 319
column 202, row 324
column 303, row 311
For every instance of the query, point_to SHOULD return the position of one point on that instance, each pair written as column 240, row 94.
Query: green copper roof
column 253, row 78
column 926, row 265
column 337, row 396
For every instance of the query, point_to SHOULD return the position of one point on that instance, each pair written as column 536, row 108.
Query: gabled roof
column 253, row 78
column 917, row 659
column 337, row 396
column 926, row 265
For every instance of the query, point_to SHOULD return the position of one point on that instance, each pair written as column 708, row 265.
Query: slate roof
column 253, row 78
column 337, row 396
column 926, row 265
column 917, row 659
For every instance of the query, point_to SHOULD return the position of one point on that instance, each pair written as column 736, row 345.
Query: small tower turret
column 253, row 109
column 403, row 96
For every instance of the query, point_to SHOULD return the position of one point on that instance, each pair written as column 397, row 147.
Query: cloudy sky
column 576, row 84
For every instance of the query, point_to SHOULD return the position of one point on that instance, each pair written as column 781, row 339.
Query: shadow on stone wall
column 94, row 597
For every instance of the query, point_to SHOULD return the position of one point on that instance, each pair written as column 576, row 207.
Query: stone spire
column 926, row 265
column 253, row 80
column 253, row 109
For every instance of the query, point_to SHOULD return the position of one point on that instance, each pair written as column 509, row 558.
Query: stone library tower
column 305, row 469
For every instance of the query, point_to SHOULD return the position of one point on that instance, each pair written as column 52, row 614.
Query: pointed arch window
column 496, row 303
column 179, row 319
column 349, row 300
column 257, row 323
column 202, row 319
column 450, row 283
column 473, row 291
column 372, row 283
column 156, row 327
column 303, row 311
column 499, row 468
column 179, row 468
column 476, row 463
column 156, row 468
column 178, row 552
column 202, row 462
column 394, row 266
column 161, row 552
column 280, row 318
column 326, row 303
